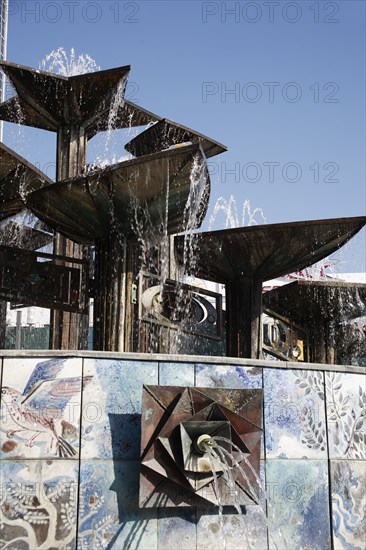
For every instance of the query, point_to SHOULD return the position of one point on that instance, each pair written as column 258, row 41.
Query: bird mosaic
column 42, row 411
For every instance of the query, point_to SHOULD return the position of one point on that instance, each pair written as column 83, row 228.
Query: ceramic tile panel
column 232, row 531
column 346, row 404
column 40, row 408
column 109, row 516
column 111, row 419
column 247, row 530
column 298, row 504
column 38, row 504
column 228, row 376
column 176, row 374
column 294, row 414
column 177, row 528
column 348, row 504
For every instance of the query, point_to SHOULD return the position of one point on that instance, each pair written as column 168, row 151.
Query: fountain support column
column 243, row 317
column 2, row 323
column 109, row 294
column 69, row 330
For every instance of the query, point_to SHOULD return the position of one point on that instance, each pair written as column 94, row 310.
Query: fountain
column 125, row 236
column 163, row 190
column 327, row 310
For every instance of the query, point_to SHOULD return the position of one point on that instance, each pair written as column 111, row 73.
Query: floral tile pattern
column 227, row 376
column 298, row 504
column 346, row 404
column 109, row 516
column 38, row 504
column 111, row 423
column 294, row 414
column 348, row 504
column 40, row 408
column 176, row 374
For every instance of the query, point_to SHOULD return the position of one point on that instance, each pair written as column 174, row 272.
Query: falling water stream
column 259, row 482
column 215, row 451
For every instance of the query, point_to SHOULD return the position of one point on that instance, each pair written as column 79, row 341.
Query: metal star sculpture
column 174, row 472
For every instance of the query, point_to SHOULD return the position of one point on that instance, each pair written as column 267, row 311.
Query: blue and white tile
column 228, row 376
column 348, row 504
column 346, row 404
column 176, row 374
column 298, row 504
column 111, row 419
column 294, row 414
column 177, row 528
column 109, row 516
column 232, row 531
column 247, row 531
column 40, row 408
column 39, row 503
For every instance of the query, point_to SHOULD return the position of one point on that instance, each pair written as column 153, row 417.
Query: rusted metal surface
column 165, row 134
column 109, row 200
column 172, row 474
column 24, row 237
column 18, row 177
column 243, row 317
column 304, row 301
column 56, row 101
column 51, row 102
column 129, row 115
column 243, row 258
column 284, row 339
column 179, row 306
column 268, row 251
column 104, row 204
column 109, row 299
column 3, row 307
column 33, row 278
column 323, row 308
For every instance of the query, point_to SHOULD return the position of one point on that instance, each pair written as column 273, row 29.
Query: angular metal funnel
column 153, row 189
column 50, row 102
column 268, row 251
column 244, row 257
column 165, row 134
column 18, row 177
column 54, row 101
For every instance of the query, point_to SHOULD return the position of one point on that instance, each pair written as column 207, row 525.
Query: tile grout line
column 79, row 458
column 329, row 467
column 265, row 459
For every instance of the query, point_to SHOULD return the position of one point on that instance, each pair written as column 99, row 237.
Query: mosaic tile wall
column 69, row 452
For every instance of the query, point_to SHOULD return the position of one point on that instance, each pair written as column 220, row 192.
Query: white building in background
column 3, row 42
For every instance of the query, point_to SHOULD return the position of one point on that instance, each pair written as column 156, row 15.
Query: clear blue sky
column 297, row 75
